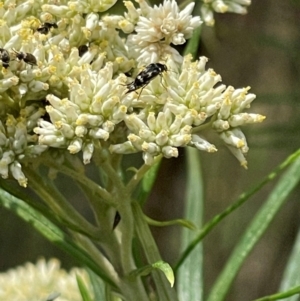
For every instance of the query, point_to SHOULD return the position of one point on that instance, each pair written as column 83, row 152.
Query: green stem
column 58, row 204
column 122, row 199
column 104, row 195
column 98, row 257
column 139, row 175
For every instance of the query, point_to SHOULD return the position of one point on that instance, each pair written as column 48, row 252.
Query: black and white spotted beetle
column 26, row 57
column 4, row 57
column 45, row 28
column 145, row 76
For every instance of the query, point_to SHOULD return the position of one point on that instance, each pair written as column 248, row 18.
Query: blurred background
column 261, row 50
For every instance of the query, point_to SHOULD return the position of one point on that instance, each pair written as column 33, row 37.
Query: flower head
column 159, row 26
column 96, row 105
column 41, row 281
column 170, row 113
column 69, row 55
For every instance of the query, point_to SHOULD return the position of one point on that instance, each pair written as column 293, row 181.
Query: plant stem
column 59, row 205
column 139, row 175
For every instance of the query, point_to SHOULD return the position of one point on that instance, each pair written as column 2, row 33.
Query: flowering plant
column 77, row 90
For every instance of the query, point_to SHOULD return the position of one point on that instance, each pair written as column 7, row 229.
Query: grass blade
column 190, row 281
column 291, row 276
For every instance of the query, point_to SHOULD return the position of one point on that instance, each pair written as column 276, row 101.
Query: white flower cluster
column 157, row 28
column 96, row 105
column 72, row 58
column 222, row 6
column 171, row 114
column 41, row 281
column 17, row 142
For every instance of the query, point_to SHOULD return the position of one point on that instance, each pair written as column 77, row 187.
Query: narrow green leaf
column 240, row 201
column 190, row 279
column 166, row 269
column 255, row 230
column 180, row 222
column 295, row 291
column 291, row 276
column 159, row 265
column 98, row 286
column 193, row 43
column 163, row 290
column 84, row 290
column 148, row 182
column 50, row 231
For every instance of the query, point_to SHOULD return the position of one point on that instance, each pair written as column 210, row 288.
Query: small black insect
column 27, row 58
column 82, row 49
column 45, row 28
column 145, row 76
column 4, row 57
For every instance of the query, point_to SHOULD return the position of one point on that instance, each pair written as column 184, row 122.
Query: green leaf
column 291, row 275
column 159, row 265
column 255, row 230
column 98, row 286
column 193, row 43
column 163, row 290
column 190, row 279
column 84, row 290
column 50, row 232
column 148, row 182
column 295, row 291
column 166, row 269
column 240, row 201
column 180, row 222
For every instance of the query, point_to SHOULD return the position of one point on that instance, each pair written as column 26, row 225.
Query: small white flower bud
column 230, row 138
column 180, row 140
column 93, row 120
column 134, row 123
column 108, row 126
column 239, row 155
column 87, row 151
column 6, row 83
column 124, row 148
column 148, row 158
column 59, row 11
column 99, row 134
column 202, row 144
column 80, row 131
column 36, row 86
column 75, row 146
column 52, row 140
column 150, row 148
column 146, row 134
column 219, row 6
column 221, row 125
column 162, row 138
column 244, row 118
column 169, row 151
column 136, row 141
column 92, row 21
column 16, row 171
